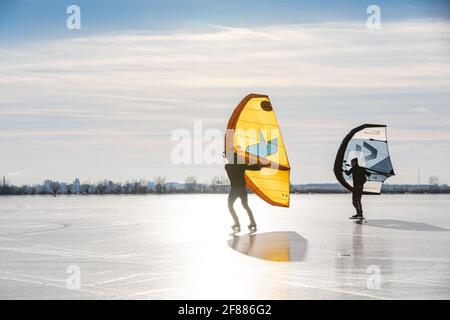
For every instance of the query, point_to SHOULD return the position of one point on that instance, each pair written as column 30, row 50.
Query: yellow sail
column 253, row 132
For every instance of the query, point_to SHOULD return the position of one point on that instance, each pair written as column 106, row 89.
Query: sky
column 102, row 102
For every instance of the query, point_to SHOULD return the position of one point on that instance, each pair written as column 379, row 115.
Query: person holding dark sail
column 359, row 179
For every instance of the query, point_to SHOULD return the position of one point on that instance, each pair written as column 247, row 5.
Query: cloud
column 13, row 174
column 326, row 55
column 323, row 78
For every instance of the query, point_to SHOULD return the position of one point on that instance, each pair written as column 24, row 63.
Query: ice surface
column 179, row 247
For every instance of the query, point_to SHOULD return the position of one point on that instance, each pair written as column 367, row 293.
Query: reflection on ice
column 404, row 225
column 272, row 246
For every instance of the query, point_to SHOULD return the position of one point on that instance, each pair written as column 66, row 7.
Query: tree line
column 218, row 184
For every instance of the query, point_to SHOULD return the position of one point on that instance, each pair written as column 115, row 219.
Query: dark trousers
column 356, row 197
column 242, row 194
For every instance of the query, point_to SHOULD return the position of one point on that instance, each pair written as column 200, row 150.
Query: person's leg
column 357, row 195
column 232, row 196
column 355, row 200
column 360, row 210
column 244, row 199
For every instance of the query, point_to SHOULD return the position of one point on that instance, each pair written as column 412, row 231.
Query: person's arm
column 253, row 167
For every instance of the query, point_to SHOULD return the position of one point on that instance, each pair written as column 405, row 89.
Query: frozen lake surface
column 179, row 247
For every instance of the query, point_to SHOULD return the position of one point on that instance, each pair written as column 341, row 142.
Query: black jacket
column 359, row 175
column 236, row 173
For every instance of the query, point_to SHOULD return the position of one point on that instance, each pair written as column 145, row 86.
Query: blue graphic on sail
column 373, row 151
column 263, row 149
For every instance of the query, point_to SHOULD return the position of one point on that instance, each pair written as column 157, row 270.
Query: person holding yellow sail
column 235, row 169
column 256, row 156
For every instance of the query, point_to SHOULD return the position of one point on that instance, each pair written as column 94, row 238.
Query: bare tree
column 434, row 183
column 86, row 188
column 101, row 186
column 160, row 184
column 191, row 179
column 54, row 187
column 220, row 180
column 433, row 180
column 219, row 184
column 191, row 183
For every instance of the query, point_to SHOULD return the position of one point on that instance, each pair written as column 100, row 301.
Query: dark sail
column 368, row 143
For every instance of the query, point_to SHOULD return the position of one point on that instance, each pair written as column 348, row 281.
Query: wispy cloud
column 407, row 55
column 324, row 78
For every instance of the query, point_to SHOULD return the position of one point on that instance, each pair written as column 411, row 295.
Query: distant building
column 193, row 186
column 38, row 189
column 47, row 187
column 174, row 186
column 151, row 186
column 62, row 188
column 76, row 186
column 31, row 189
column 110, row 187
